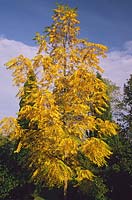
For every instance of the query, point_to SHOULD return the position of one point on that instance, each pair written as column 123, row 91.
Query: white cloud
column 117, row 66
column 8, row 50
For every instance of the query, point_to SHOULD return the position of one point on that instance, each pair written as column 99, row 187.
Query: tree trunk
column 65, row 189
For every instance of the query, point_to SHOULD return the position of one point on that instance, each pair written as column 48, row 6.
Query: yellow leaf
column 18, row 148
column 11, row 62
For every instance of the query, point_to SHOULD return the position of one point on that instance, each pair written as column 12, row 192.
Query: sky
column 108, row 22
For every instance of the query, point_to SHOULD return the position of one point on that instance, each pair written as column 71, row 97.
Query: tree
column 64, row 105
column 14, row 176
column 127, row 108
column 15, row 183
column 118, row 173
column 30, row 88
column 7, row 179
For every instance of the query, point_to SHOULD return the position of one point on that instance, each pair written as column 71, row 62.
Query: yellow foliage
column 18, row 148
column 96, row 150
column 35, row 173
column 84, row 174
column 60, row 99
column 10, row 127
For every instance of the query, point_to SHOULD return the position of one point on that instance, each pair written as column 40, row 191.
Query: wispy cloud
column 117, row 66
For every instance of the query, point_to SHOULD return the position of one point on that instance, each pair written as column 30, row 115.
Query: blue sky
column 104, row 21
column 101, row 21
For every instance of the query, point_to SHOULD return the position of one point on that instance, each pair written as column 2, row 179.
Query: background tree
column 127, row 108
column 117, row 176
column 8, row 181
column 119, row 170
column 118, row 173
column 64, row 104
column 14, row 176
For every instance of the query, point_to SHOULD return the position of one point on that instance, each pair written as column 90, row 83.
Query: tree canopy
column 60, row 98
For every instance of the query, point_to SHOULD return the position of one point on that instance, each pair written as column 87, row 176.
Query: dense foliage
column 64, row 134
